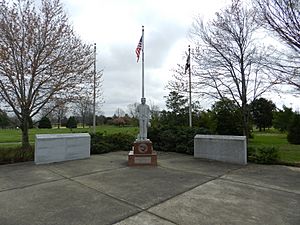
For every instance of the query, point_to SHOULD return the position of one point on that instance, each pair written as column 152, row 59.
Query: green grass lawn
column 287, row 152
column 9, row 137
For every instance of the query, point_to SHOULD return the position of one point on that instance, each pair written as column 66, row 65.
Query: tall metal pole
column 94, row 94
column 143, row 79
column 190, row 88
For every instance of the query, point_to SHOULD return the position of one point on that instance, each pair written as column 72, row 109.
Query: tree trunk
column 25, row 135
column 58, row 122
column 245, row 123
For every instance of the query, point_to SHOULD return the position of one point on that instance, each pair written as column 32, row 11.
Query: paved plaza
column 180, row 190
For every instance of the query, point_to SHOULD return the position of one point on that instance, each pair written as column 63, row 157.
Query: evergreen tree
column 228, row 117
column 4, row 120
column 45, row 123
column 283, row 118
column 294, row 130
column 72, row 123
column 176, row 103
column 262, row 112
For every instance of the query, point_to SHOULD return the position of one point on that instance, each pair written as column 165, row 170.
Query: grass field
column 287, row 152
column 11, row 137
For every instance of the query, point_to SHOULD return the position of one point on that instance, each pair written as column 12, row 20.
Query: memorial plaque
column 142, row 147
column 142, row 160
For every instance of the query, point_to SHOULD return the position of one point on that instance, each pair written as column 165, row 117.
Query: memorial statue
column 142, row 152
column 143, row 111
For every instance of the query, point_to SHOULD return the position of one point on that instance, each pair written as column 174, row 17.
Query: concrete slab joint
column 51, row 148
column 231, row 149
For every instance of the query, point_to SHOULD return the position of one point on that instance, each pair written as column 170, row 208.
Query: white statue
column 143, row 111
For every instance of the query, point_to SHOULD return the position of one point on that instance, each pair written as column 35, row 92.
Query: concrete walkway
column 181, row 190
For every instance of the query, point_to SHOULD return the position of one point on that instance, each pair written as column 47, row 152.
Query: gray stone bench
column 51, row 148
column 232, row 149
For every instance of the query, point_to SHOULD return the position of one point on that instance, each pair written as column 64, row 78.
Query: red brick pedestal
column 142, row 154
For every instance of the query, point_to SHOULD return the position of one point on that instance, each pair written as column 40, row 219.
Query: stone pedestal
column 142, row 154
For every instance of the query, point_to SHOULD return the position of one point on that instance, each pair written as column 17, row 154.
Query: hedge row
column 101, row 143
column 167, row 139
column 15, row 154
column 175, row 139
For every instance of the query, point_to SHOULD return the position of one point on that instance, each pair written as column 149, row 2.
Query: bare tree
column 282, row 18
column 41, row 58
column 155, row 113
column 59, row 112
column 83, row 101
column 83, row 106
column 119, row 113
column 132, row 110
column 55, row 111
column 227, row 63
column 181, row 78
column 154, row 109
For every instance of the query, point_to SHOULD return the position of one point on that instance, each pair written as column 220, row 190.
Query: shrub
column 101, row 143
column 72, row 123
column 16, row 154
column 263, row 155
column 44, row 123
column 251, row 154
column 293, row 136
column 175, row 139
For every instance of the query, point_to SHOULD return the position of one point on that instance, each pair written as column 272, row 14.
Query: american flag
column 139, row 48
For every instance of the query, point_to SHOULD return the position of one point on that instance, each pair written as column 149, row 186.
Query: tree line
column 231, row 63
column 80, row 115
column 44, row 64
column 225, row 117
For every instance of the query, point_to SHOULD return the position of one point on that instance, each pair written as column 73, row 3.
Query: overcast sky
column 116, row 27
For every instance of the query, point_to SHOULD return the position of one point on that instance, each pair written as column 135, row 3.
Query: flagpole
column 143, row 89
column 94, row 94
column 190, row 89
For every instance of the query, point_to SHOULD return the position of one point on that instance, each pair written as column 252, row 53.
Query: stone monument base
column 142, row 154
column 142, row 160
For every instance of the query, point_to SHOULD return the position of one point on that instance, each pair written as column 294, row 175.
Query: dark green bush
column 293, row 136
column 72, row 122
column 16, row 154
column 228, row 116
column 251, row 154
column 44, row 123
column 263, row 155
column 102, row 143
column 175, row 139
